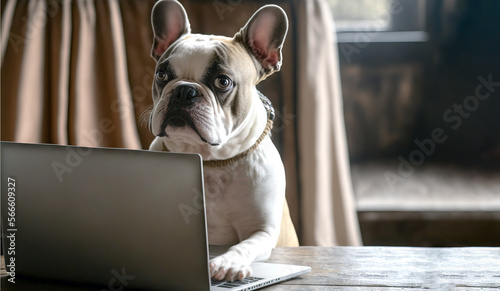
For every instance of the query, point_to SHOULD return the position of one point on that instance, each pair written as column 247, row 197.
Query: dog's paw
column 225, row 268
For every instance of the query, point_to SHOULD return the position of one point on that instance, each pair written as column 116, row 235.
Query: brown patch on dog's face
column 204, row 88
column 205, row 85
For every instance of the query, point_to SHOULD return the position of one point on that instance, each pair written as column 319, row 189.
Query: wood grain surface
column 366, row 268
column 392, row 268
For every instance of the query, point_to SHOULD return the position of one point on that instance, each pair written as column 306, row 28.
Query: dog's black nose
column 185, row 93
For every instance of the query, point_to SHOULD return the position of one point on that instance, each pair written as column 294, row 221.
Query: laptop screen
column 98, row 215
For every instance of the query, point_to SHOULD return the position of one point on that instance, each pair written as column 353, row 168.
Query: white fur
column 184, row 140
column 244, row 200
column 244, row 208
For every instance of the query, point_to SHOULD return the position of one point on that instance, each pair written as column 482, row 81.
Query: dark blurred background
column 421, row 88
column 421, row 94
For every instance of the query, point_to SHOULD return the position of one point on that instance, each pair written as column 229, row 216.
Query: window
column 378, row 15
column 360, row 14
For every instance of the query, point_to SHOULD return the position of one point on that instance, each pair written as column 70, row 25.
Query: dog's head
column 204, row 85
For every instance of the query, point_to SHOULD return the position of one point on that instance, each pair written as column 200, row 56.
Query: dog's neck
column 254, row 128
column 238, row 157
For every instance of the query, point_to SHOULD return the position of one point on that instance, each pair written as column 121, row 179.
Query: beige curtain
column 79, row 72
column 76, row 72
column 325, row 171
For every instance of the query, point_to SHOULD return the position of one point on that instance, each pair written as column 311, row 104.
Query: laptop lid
column 110, row 217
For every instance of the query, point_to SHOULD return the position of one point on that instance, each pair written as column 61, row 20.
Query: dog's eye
column 223, row 83
column 161, row 75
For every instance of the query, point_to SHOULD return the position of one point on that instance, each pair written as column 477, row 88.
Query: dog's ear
column 169, row 21
column 263, row 35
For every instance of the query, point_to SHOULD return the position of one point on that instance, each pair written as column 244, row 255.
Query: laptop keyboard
column 239, row 283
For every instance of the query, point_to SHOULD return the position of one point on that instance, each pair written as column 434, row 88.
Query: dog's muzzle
column 184, row 96
column 179, row 107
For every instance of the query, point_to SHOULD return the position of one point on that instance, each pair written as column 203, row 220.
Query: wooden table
column 372, row 268
column 392, row 268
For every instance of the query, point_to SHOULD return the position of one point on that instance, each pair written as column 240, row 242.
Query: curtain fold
column 31, row 89
column 130, row 134
column 61, row 73
column 325, row 171
column 65, row 76
column 7, row 15
column 79, row 72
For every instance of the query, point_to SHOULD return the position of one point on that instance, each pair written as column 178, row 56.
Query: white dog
column 206, row 102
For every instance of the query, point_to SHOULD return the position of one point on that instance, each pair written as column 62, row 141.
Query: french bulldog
column 206, row 101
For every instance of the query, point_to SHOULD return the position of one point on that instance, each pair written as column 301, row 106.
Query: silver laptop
column 113, row 218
